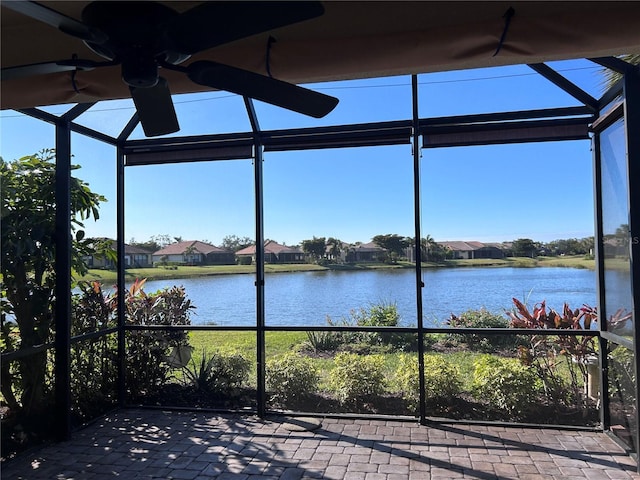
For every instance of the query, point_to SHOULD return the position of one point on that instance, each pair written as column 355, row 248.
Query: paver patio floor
column 150, row 444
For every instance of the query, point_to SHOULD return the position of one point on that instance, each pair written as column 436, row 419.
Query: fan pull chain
column 270, row 42
column 73, row 75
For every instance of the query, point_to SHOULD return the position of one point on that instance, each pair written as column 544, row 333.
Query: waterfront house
column 473, row 250
column 194, row 252
column 273, row 253
column 134, row 257
column 366, row 252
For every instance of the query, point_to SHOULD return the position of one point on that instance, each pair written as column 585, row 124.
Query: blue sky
column 541, row 191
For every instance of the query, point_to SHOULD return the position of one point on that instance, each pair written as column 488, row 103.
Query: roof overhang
column 351, row 40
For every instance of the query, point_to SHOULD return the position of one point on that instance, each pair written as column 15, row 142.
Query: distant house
column 473, row 250
column 134, row 257
column 273, row 253
column 194, row 252
column 366, row 252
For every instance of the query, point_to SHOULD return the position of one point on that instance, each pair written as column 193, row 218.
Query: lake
column 307, row 298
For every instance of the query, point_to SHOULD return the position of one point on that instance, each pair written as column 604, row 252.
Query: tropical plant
column 28, row 254
column 219, row 373
column 610, row 77
column 334, row 246
column 546, row 353
column 150, row 354
column 324, row 341
column 148, row 350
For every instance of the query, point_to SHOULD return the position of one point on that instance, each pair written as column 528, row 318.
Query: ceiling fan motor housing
column 137, row 37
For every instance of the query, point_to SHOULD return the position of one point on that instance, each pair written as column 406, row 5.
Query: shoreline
column 160, row 273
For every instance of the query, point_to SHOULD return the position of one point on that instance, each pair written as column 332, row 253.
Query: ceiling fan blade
column 34, row 69
column 155, row 109
column 22, row 71
column 57, row 20
column 259, row 87
column 215, row 23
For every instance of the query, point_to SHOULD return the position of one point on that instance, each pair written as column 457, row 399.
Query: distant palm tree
column 427, row 244
column 334, row 245
column 610, row 77
column 189, row 254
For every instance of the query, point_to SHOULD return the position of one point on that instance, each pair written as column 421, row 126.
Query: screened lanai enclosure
column 231, row 305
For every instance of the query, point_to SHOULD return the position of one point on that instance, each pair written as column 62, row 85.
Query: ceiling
column 351, row 40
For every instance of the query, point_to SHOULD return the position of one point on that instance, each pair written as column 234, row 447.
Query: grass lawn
column 279, row 343
column 577, row 261
column 184, row 271
column 159, row 273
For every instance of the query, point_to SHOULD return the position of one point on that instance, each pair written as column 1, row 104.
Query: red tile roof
column 269, row 247
column 463, row 246
column 198, row 247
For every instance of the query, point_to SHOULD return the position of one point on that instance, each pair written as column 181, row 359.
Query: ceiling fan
column 145, row 36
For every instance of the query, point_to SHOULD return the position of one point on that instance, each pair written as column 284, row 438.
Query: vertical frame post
column 120, row 209
column 631, row 85
column 603, row 345
column 121, row 352
column 260, row 311
column 62, row 367
column 417, row 246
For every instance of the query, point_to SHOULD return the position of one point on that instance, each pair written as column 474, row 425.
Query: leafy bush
column 442, row 379
column 94, row 361
column 505, row 383
column 291, row 377
column 219, row 374
column 376, row 315
column 621, row 373
column 481, row 318
column 355, row 378
column 147, row 350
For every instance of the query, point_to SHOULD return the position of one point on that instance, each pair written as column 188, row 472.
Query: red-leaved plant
column 547, row 352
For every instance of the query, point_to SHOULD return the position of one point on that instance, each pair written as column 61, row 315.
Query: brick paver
column 143, row 444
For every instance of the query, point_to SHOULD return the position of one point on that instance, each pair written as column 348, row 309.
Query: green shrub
column 219, row 374
column 442, row 379
column 244, row 260
column 376, row 315
column 482, row 318
column 505, row 383
column 621, row 373
column 291, row 377
column 356, row 378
